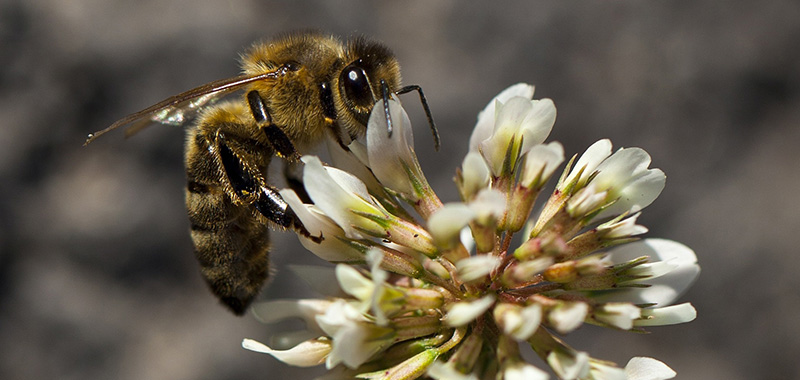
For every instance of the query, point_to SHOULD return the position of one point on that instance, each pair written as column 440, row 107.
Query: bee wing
column 176, row 110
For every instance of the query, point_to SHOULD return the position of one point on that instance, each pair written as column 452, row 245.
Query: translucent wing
column 177, row 109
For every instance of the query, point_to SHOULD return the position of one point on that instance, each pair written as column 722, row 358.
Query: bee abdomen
column 231, row 246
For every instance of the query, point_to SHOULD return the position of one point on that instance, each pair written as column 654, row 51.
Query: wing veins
column 219, row 87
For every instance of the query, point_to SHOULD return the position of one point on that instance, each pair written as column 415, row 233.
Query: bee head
column 359, row 83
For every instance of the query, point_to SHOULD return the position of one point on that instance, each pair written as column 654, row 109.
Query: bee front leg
column 282, row 144
column 273, row 207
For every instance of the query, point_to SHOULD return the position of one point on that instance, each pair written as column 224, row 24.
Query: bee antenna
column 385, row 96
column 418, row 89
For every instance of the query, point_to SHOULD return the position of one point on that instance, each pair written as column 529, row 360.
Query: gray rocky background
column 97, row 277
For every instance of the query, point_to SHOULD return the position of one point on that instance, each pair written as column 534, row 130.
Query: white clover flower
column 392, row 159
column 568, row 316
column 340, row 195
column 569, row 365
column 621, row 181
column 673, row 265
column 354, row 339
column 489, row 205
column 519, row 124
column 540, row 164
column 621, row 228
column 486, row 118
column 307, row 354
column 640, row 368
column 446, row 223
column 587, row 164
column 473, row 176
column 626, row 176
column 618, row 314
column 333, row 247
column 476, row 267
column 461, row 313
column 668, row 315
column 516, row 321
column 605, row 371
column 523, row 371
column 451, row 291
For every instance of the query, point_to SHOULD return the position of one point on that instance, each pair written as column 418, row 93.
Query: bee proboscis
column 299, row 89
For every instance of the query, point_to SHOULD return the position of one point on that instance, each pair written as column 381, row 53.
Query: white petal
column 621, row 228
column 625, row 176
column 379, row 277
column 474, row 173
column 461, row 313
column 593, row 264
column 307, row 354
column 331, row 248
column 338, row 314
column 447, row 222
column 589, row 161
column 600, row 371
column 354, row 283
column 538, row 123
column 524, row 371
column 665, row 289
column 485, row 125
column 467, row 239
column 569, row 366
column 586, row 200
column 521, row 325
column 512, row 114
column 507, row 133
column 623, row 164
column 542, row 160
column 390, row 157
column 286, row 339
column 355, row 343
column 618, row 314
column 475, row 267
column 568, row 316
column 669, row 315
column 354, row 339
column 354, row 162
column 652, row 270
column 527, row 269
column 488, row 205
column 338, row 193
column 638, row 194
column 374, row 259
column 641, row 368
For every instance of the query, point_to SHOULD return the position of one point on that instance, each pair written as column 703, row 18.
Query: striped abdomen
column 231, row 242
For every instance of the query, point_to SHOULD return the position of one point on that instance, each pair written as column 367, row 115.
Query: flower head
column 444, row 290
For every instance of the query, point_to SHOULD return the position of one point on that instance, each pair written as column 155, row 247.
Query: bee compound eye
column 356, row 85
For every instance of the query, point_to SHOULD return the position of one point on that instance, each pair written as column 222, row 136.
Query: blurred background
column 97, row 275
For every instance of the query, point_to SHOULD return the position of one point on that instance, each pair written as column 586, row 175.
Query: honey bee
column 298, row 90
